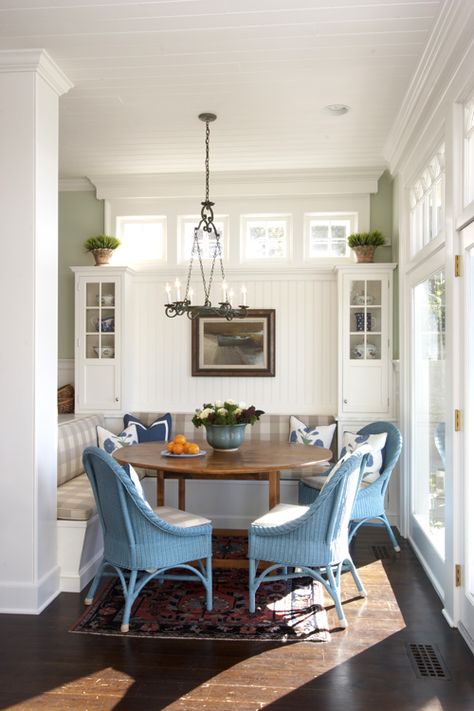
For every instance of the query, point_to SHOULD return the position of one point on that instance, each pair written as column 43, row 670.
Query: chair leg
column 209, row 583
column 334, row 592
column 355, row 575
column 252, row 588
column 393, row 540
column 95, row 583
column 129, row 598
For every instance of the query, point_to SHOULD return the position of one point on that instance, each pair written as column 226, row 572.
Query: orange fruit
column 180, row 439
column 193, row 448
column 170, row 446
column 178, row 448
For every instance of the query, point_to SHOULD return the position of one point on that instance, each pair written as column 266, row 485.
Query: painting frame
column 244, row 347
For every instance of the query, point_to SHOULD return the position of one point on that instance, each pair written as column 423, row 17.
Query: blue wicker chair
column 369, row 504
column 310, row 540
column 138, row 544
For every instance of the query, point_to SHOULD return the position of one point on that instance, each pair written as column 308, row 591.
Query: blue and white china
column 367, row 351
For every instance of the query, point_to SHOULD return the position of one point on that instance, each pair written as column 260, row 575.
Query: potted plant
column 102, row 247
column 364, row 244
column 225, row 423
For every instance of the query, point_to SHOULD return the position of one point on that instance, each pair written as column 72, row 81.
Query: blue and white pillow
column 376, row 442
column 110, row 441
column 319, row 436
column 158, row 431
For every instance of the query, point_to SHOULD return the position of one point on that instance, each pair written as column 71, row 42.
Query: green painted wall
column 384, row 218
column 81, row 215
column 381, row 215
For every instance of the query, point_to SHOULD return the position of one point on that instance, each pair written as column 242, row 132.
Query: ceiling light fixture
column 337, row 109
column 206, row 224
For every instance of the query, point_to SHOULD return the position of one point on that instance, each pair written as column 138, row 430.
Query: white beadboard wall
column 306, row 348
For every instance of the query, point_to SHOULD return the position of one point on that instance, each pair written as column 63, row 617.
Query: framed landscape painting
column 241, row 347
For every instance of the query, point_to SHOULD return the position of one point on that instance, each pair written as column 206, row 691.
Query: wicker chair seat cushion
column 181, row 519
column 75, row 500
column 281, row 514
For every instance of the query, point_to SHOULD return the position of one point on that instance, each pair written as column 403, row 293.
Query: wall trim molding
column 29, row 598
column 450, row 41
column 291, row 183
column 75, row 185
column 35, row 60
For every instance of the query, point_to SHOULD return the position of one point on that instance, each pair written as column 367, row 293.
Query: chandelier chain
column 208, row 133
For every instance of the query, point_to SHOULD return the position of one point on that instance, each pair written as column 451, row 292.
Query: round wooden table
column 253, row 460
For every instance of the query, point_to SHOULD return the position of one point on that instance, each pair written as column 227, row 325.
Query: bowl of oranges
column 181, row 447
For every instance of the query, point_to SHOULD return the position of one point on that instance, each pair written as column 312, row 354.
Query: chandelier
column 206, row 225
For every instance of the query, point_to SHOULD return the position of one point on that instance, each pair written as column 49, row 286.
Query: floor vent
column 427, row 661
column 380, row 552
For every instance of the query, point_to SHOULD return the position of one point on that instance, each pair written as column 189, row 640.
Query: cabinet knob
column 345, row 402
column 116, row 399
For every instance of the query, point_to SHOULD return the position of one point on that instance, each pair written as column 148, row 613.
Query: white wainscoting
column 159, row 377
column 65, row 372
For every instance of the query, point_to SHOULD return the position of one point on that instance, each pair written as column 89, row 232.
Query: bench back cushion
column 73, row 437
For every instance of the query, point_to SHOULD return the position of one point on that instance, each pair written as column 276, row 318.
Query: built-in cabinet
column 99, row 337
column 365, row 344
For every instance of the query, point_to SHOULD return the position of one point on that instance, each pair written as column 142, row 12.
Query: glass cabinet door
column 100, row 320
column 365, row 321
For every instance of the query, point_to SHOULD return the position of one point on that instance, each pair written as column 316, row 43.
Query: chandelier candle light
column 206, row 225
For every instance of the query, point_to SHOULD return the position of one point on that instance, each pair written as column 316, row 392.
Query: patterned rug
column 286, row 611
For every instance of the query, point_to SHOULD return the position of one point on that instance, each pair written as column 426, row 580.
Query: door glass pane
column 429, row 392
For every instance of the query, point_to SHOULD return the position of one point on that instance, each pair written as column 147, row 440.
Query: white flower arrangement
column 228, row 412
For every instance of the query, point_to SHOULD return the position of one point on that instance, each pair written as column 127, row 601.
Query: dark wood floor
column 44, row 666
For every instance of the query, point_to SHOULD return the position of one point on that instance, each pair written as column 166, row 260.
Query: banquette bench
column 79, row 534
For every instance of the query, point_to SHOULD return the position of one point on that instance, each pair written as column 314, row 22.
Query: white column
column 30, row 84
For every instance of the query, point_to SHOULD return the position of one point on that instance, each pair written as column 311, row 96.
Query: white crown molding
column 75, row 185
column 447, row 46
column 240, row 184
column 35, row 60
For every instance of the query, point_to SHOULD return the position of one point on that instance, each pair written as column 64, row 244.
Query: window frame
column 309, row 217
column 143, row 219
column 183, row 252
column 247, row 218
column 424, row 217
column 468, row 151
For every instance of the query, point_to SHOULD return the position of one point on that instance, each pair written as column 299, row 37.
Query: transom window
column 186, row 225
column 266, row 236
column 326, row 234
column 427, row 203
column 469, row 152
column 142, row 238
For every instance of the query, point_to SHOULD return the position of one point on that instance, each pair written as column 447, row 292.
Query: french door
column 428, row 407
column 466, row 519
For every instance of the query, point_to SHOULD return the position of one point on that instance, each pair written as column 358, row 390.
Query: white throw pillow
column 138, row 485
column 110, row 441
column 352, row 441
column 347, row 455
column 318, row 436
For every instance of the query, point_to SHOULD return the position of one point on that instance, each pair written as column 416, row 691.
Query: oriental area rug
column 286, row 610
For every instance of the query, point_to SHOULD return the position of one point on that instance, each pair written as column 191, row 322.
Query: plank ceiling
column 142, row 71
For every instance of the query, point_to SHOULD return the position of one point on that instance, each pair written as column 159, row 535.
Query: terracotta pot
column 364, row 253
column 102, row 256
